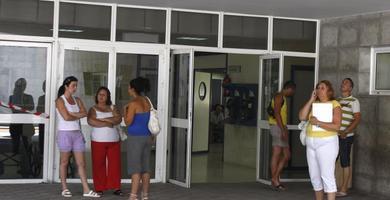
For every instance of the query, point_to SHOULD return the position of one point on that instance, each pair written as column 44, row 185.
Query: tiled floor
column 210, row 168
column 160, row 191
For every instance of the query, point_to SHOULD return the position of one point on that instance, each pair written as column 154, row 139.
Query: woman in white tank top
column 70, row 110
column 105, row 143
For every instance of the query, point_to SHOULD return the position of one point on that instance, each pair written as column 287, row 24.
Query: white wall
column 200, row 131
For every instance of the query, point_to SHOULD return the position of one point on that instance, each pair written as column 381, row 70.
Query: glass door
column 180, row 115
column 274, row 71
column 91, row 67
column 130, row 63
column 24, row 88
column 270, row 83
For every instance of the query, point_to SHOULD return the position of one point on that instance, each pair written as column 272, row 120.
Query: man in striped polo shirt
column 350, row 107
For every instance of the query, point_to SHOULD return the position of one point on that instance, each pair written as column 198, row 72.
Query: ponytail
column 61, row 91
column 66, row 82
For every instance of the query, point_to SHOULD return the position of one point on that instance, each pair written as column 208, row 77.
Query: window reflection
column 194, row 29
column 26, row 17
column 85, row 21
column 146, row 25
column 22, row 70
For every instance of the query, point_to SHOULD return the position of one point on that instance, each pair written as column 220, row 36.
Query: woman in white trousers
column 322, row 143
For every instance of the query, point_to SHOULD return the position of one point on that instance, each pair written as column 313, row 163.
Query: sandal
column 279, row 187
column 91, row 194
column 145, row 196
column 66, row 193
column 118, row 192
column 341, row 194
column 133, row 197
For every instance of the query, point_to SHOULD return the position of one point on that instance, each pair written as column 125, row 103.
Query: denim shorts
column 345, row 151
column 68, row 141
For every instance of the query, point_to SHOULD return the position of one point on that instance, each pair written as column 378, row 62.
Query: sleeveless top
column 324, row 133
column 64, row 125
column 283, row 113
column 139, row 127
column 104, row 134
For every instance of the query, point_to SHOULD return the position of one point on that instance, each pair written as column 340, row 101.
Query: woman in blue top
column 139, row 142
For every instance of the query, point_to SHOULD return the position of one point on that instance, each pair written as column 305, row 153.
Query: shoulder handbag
column 122, row 133
column 153, row 124
column 302, row 136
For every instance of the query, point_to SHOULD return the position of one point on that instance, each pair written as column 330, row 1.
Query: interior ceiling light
column 69, row 30
column 191, row 38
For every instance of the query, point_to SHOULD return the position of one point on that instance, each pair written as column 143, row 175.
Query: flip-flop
column 279, row 187
column 341, row 194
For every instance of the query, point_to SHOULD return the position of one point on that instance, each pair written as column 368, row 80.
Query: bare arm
column 115, row 119
column 60, row 105
column 83, row 112
column 305, row 110
column 92, row 121
column 129, row 112
column 278, row 101
column 330, row 126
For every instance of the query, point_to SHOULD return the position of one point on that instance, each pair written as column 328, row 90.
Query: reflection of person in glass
column 25, row 101
column 217, row 123
column 139, row 142
column 41, row 108
column 105, row 144
column 70, row 110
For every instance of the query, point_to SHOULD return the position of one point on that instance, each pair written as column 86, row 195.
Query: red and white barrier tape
column 14, row 107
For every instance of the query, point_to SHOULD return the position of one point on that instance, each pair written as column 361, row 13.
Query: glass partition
column 145, row 25
column 22, row 83
column 294, row 35
column 130, row 66
column 245, row 32
column 85, row 21
column 26, row 17
column 198, row 29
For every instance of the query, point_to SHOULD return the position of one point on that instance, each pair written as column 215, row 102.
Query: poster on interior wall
column 241, row 104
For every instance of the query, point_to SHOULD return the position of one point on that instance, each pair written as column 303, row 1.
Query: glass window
column 85, row 21
column 380, row 71
column 26, row 17
column 245, row 32
column 270, row 84
column 130, row 66
column 145, row 25
column 22, row 75
column 194, row 29
column 90, row 68
column 294, row 35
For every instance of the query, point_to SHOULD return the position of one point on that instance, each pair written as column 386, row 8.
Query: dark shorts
column 345, row 151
